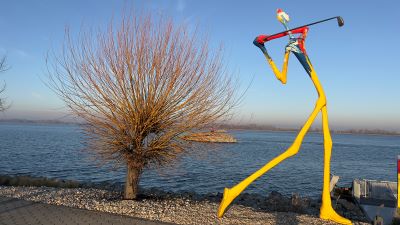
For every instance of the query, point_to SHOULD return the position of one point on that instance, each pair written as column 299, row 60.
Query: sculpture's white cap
column 281, row 15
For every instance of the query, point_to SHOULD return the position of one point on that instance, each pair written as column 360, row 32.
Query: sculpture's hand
column 259, row 42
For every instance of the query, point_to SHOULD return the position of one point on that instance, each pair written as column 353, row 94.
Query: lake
column 56, row 151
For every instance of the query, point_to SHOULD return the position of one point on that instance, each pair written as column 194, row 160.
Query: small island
column 218, row 136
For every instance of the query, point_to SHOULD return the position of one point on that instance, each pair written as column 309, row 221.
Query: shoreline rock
column 38, row 181
column 180, row 208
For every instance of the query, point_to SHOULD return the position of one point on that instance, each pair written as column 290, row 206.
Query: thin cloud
column 45, row 38
column 37, row 95
column 3, row 51
column 21, row 53
column 181, row 5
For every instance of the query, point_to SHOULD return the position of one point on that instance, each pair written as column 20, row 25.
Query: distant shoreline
column 250, row 127
column 312, row 130
column 26, row 121
column 386, row 133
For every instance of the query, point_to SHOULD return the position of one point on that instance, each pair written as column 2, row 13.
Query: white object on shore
column 376, row 198
column 334, row 181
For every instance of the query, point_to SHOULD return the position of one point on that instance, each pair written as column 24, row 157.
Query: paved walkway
column 16, row 211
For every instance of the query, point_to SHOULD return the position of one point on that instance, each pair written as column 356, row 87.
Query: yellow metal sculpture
column 398, row 185
column 296, row 46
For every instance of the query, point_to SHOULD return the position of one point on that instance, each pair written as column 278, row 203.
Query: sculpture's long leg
column 327, row 212
column 231, row 193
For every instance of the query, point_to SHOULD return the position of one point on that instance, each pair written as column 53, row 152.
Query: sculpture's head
column 282, row 16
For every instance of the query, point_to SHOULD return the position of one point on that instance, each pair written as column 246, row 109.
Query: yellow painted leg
column 398, row 185
column 231, row 193
column 326, row 211
column 398, row 193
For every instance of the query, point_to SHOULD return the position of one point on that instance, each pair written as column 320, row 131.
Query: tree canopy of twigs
column 139, row 86
column 3, row 67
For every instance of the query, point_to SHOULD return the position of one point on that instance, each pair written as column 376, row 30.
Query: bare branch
column 3, row 67
column 3, row 64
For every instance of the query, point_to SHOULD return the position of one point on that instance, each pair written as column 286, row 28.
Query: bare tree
column 139, row 86
column 3, row 67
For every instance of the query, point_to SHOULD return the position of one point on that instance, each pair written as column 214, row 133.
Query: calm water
column 56, row 151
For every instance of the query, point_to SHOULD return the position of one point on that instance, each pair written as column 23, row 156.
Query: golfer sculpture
column 297, row 47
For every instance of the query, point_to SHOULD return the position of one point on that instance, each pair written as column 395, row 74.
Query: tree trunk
column 132, row 180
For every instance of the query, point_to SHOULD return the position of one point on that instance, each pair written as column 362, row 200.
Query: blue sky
column 357, row 64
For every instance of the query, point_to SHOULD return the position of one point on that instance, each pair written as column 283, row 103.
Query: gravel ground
column 178, row 210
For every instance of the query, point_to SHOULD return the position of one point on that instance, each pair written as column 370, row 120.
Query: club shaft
column 310, row 24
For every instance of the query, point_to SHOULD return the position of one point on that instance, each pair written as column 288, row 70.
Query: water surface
column 54, row 150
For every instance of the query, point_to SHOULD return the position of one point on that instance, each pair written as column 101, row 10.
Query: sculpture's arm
column 280, row 75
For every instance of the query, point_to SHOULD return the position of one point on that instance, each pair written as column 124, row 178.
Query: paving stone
column 20, row 212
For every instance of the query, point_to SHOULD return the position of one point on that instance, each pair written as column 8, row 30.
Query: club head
column 340, row 21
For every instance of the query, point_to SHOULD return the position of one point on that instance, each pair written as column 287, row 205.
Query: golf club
column 339, row 19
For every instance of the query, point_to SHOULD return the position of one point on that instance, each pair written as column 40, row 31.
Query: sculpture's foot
column 226, row 201
column 328, row 213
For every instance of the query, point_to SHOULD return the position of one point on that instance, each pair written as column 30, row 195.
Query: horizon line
column 228, row 126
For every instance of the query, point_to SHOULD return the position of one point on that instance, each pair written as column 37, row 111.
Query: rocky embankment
column 187, row 208
column 220, row 136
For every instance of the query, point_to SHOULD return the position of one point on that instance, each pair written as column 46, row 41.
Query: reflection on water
column 56, row 151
